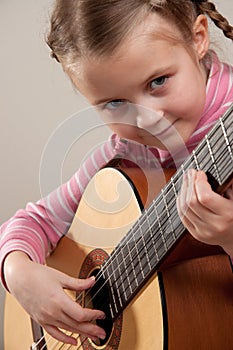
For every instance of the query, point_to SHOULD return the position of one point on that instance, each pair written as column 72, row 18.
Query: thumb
column 78, row 284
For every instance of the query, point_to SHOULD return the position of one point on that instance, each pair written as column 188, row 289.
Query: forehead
column 151, row 37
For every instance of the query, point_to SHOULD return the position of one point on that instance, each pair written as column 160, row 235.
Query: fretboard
column 140, row 252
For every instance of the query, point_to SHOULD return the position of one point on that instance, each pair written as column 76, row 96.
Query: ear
column 201, row 36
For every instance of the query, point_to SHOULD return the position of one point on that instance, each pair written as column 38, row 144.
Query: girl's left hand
column 207, row 215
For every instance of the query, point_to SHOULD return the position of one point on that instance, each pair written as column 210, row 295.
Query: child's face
column 150, row 89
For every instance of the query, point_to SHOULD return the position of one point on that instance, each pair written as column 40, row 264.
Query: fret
column 182, row 170
column 152, row 252
column 147, row 267
column 152, row 236
column 127, row 275
column 138, row 253
column 135, row 281
column 170, row 204
column 152, row 256
column 226, row 135
column 174, row 187
column 128, row 291
column 115, row 270
column 119, row 283
column 112, row 304
column 135, row 271
column 143, row 227
column 160, row 233
column 115, row 302
column 202, row 159
column 213, row 160
column 199, row 159
column 139, row 269
column 131, row 277
column 126, row 264
column 109, row 276
column 196, row 161
column 120, row 295
column 222, row 156
column 167, row 224
column 217, row 143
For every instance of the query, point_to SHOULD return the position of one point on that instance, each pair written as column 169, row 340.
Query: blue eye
column 114, row 104
column 158, row 82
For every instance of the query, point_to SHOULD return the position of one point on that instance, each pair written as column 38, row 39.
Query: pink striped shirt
column 37, row 229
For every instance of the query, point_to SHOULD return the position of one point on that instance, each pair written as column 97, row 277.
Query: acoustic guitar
column 159, row 287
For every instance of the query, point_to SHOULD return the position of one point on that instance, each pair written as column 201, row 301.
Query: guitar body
column 187, row 304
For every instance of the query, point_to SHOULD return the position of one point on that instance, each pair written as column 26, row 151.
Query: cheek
column 191, row 88
column 189, row 101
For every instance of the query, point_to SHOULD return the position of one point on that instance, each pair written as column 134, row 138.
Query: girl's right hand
column 40, row 291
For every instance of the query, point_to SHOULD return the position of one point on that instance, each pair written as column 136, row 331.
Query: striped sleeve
column 37, row 229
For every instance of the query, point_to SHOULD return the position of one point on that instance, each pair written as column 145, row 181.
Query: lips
column 157, row 131
column 162, row 132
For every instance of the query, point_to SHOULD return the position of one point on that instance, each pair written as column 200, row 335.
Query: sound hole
column 98, row 298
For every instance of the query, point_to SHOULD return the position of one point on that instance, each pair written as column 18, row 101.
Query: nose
column 147, row 117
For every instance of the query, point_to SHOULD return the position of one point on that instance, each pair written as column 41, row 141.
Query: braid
column 220, row 21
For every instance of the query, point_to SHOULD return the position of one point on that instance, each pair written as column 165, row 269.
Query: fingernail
column 94, row 338
column 102, row 317
column 102, row 336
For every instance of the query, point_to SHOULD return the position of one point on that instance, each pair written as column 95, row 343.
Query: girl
column 150, row 54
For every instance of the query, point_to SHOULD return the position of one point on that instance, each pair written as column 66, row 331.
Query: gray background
column 35, row 98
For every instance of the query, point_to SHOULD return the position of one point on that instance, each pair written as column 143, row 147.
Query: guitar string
column 127, row 236
column 51, row 337
column 59, row 348
column 110, row 276
column 225, row 166
column 56, row 342
column 63, row 344
column 62, row 347
column 42, row 338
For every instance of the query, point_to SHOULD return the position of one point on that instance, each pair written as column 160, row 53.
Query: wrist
column 13, row 265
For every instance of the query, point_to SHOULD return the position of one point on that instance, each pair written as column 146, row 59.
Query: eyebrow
column 105, row 100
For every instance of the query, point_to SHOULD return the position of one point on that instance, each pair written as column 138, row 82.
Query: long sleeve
column 37, row 229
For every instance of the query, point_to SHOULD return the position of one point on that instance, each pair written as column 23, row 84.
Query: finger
column 90, row 329
column 80, row 320
column 77, row 284
column 209, row 199
column 181, row 199
column 188, row 224
column 85, row 328
column 72, row 308
column 229, row 193
column 75, row 311
column 191, row 176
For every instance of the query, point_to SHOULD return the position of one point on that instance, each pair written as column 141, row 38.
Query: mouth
column 164, row 131
column 158, row 133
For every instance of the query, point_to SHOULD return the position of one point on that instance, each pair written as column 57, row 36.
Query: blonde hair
column 82, row 27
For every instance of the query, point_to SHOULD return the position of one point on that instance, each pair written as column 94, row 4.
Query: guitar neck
column 146, row 244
